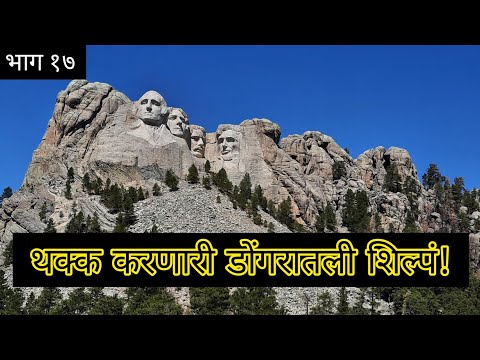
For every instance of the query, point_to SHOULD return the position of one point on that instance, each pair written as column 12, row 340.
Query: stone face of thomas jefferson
column 177, row 122
column 198, row 141
column 151, row 108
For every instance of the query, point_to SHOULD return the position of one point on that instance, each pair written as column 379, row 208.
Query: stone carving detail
column 228, row 143
column 197, row 141
column 152, row 108
column 177, row 123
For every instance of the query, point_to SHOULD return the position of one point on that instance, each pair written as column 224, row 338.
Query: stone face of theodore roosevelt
column 152, row 108
column 198, row 141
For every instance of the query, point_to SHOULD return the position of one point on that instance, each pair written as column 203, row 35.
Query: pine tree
column 257, row 219
column 463, row 222
column 4, row 291
column 256, row 197
column 70, row 174
column 120, row 224
column 362, row 217
column 271, row 227
column 206, row 182
column 306, row 299
column 410, row 226
column 372, row 294
column 156, row 190
column 151, row 301
column 77, row 224
column 432, row 177
column 254, row 205
column 88, row 223
column 325, row 304
column 342, row 307
column 469, row 200
column 298, row 228
column 349, row 210
column 271, row 208
column 330, row 219
column 86, row 185
column 392, row 179
column 108, row 183
column 207, row 167
column 221, row 181
column 284, row 214
column 107, row 305
column 416, row 301
column 245, row 189
column 97, row 186
column 320, row 222
column 141, row 195
column 104, row 305
column 378, row 223
column 338, row 170
column 8, row 253
column 7, row 192
column 29, row 308
column 68, row 191
column 50, row 228
column 477, row 225
column 14, row 303
column 391, row 229
column 132, row 194
column 255, row 301
column 457, row 191
column 129, row 214
column 411, row 189
column 358, row 307
column 43, row 212
column 95, row 225
column 192, row 176
column 209, row 300
column 235, row 193
column 78, row 302
column 249, row 209
column 171, row 180
column 218, row 199
column 11, row 300
column 47, row 300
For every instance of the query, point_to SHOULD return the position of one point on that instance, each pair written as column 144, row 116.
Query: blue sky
column 425, row 99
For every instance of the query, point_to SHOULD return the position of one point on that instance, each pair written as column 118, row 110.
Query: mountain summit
column 98, row 133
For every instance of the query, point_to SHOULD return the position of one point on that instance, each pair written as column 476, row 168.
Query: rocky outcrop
column 98, row 130
column 81, row 111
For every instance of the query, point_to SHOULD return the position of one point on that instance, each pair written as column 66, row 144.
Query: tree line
column 138, row 301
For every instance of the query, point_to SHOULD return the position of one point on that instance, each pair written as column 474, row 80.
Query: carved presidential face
column 197, row 138
column 227, row 143
column 151, row 108
column 177, row 122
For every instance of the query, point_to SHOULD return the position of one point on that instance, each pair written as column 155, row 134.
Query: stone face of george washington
column 151, row 108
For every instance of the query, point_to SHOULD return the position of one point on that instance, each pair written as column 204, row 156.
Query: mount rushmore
column 99, row 131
